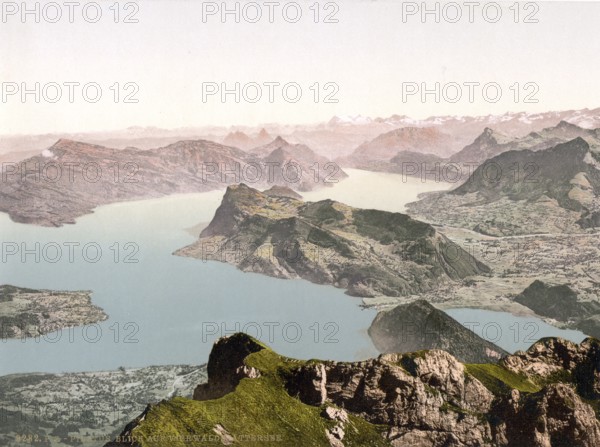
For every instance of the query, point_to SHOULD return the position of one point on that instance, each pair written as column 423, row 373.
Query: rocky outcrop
column 282, row 191
column 423, row 399
column 366, row 252
column 550, row 358
column 418, row 325
column 226, row 366
column 555, row 416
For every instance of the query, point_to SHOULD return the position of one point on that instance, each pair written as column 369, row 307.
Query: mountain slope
column 523, row 192
column 542, row 398
column 279, row 153
column 367, row 252
column 550, row 172
column 426, row 140
column 419, row 325
column 71, row 178
column 491, row 143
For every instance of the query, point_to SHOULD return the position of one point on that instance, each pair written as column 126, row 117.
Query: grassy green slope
column 258, row 412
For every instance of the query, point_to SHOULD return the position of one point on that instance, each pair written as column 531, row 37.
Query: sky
column 367, row 63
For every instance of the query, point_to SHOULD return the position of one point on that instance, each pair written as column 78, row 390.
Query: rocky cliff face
column 418, row 325
column 545, row 397
column 367, row 252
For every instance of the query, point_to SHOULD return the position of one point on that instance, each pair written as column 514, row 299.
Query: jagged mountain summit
column 366, row 252
column 545, row 397
column 418, row 325
column 71, row 178
column 279, row 153
column 491, row 143
column 242, row 140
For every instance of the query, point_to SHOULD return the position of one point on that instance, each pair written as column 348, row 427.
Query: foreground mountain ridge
column 545, row 397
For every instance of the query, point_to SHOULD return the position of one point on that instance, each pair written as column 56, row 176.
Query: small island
column 31, row 313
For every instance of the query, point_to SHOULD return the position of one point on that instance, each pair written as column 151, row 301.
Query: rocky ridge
column 545, row 397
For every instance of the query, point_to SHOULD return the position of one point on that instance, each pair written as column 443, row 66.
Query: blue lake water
column 165, row 309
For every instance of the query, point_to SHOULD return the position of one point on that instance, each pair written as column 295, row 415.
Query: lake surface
column 165, row 309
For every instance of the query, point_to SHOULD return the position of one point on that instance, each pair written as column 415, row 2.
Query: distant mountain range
column 338, row 137
column 417, row 140
column 491, row 143
column 243, row 141
column 71, row 178
column 417, row 151
column 366, row 252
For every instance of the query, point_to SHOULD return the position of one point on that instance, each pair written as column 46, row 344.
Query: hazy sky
column 369, row 54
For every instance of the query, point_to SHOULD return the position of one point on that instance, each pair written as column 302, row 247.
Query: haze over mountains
column 491, row 143
column 338, row 137
column 426, row 140
column 420, row 151
column 243, row 141
column 71, row 178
